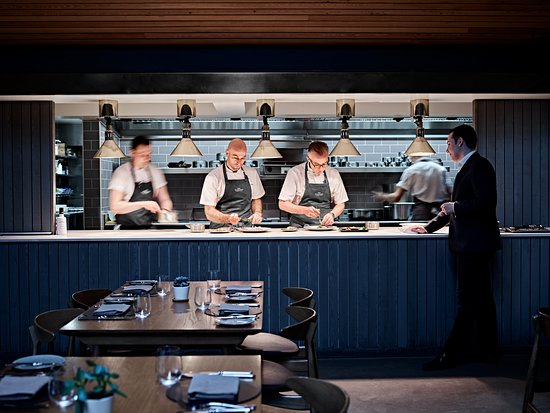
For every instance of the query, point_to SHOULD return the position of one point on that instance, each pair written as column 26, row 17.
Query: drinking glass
column 142, row 306
column 203, row 297
column 213, row 283
column 169, row 366
column 163, row 286
column 61, row 392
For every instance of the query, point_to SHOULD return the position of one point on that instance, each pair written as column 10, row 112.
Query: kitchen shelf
column 348, row 169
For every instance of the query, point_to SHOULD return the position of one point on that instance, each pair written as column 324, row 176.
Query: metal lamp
column 265, row 149
column 108, row 109
column 419, row 146
column 186, row 147
column 346, row 109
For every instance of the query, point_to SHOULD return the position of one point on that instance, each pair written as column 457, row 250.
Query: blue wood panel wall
column 382, row 296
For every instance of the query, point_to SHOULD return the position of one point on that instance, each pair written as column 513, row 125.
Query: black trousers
column 474, row 332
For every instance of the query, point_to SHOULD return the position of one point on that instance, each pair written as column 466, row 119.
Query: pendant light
column 265, row 149
column 108, row 109
column 186, row 147
column 419, row 146
column 346, row 109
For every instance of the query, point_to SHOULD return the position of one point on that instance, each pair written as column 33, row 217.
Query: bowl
column 197, row 227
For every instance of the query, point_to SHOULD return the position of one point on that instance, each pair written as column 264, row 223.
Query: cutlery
column 224, row 373
column 242, row 305
column 227, row 317
column 35, row 364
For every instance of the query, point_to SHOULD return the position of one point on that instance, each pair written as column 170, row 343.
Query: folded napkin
column 205, row 388
column 112, row 309
column 236, row 288
column 142, row 282
column 137, row 289
column 22, row 386
column 226, row 309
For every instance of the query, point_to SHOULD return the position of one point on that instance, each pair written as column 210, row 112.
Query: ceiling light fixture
column 419, row 146
column 186, row 147
column 265, row 149
column 345, row 108
column 108, row 109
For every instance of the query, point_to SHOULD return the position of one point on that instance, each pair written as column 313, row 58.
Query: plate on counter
column 290, row 229
column 234, row 321
column 353, row 229
column 223, row 230
column 254, row 229
column 318, row 228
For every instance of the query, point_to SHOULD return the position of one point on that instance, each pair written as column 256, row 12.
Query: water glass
column 142, row 306
column 213, row 283
column 60, row 391
column 169, row 366
column 203, row 297
column 163, row 285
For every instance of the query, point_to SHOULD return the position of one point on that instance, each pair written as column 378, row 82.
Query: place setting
column 238, row 293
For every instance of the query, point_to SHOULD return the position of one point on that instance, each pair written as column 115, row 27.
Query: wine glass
column 142, row 306
column 163, row 286
column 61, row 391
column 169, row 365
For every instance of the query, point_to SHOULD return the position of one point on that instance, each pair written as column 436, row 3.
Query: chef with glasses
column 313, row 193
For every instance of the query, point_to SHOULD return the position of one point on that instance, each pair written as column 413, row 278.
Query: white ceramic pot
column 104, row 405
column 181, row 293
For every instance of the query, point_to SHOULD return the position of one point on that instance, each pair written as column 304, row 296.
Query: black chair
column 534, row 384
column 86, row 298
column 301, row 297
column 323, row 396
column 47, row 324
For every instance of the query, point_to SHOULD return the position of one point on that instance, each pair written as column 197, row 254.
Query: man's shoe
column 442, row 362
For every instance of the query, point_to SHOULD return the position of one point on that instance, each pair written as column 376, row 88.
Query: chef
column 138, row 190
column 313, row 193
column 428, row 183
column 233, row 191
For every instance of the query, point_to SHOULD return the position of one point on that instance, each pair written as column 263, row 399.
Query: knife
column 224, row 373
column 35, row 364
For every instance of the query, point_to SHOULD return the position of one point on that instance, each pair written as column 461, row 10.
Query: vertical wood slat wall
column 515, row 137
column 26, row 169
column 374, row 296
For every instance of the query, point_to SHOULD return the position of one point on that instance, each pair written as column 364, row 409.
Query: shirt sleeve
column 289, row 189
column 339, row 194
column 119, row 180
column 255, row 183
column 404, row 181
column 159, row 180
column 209, row 193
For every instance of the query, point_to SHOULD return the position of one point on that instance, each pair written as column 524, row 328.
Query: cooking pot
column 366, row 214
column 402, row 210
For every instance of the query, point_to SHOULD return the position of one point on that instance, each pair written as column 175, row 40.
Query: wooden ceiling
column 209, row 22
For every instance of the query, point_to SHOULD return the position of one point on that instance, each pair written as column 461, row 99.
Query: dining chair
column 47, row 324
column 86, row 298
column 285, row 346
column 300, row 296
column 533, row 383
column 322, row 395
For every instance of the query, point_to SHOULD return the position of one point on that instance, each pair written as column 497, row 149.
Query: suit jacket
column 473, row 226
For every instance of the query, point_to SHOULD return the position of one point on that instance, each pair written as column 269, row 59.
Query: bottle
column 61, row 223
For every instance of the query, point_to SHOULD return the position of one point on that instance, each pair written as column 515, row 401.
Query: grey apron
column 236, row 199
column 140, row 218
column 315, row 195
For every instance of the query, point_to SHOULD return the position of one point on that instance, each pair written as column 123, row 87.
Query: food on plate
column 354, row 229
column 290, row 229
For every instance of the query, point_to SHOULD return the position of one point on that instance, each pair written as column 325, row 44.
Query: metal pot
column 402, row 210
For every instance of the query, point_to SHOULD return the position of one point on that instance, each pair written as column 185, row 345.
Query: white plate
column 44, row 359
column 290, row 229
column 220, row 230
column 235, row 321
column 318, row 228
column 254, row 229
column 229, row 298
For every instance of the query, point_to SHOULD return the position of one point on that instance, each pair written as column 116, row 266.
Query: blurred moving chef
column 138, row 190
column 233, row 191
column 313, row 192
column 429, row 185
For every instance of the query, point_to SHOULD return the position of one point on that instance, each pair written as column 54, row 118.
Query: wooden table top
column 170, row 322
column 145, row 394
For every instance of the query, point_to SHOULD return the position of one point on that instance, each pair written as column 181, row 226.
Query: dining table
column 179, row 323
column 144, row 393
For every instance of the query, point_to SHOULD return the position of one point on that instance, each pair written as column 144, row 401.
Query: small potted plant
column 181, row 288
column 95, row 390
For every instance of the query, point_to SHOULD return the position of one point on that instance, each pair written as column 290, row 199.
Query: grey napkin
column 24, row 386
column 237, row 288
column 205, row 388
column 137, row 289
column 226, row 309
column 112, row 309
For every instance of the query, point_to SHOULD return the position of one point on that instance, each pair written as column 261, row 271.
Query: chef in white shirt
column 313, row 192
column 232, row 191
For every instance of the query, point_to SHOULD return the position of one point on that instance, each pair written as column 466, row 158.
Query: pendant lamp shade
column 109, row 148
column 419, row 146
column 186, row 147
column 265, row 149
column 344, row 147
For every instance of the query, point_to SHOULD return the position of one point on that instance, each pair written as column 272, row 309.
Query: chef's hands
column 380, row 196
column 233, row 219
column 256, row 218
column 448, row 208
column 311, row 212
column 328, row 219
column 152, row 206
column 418, row 229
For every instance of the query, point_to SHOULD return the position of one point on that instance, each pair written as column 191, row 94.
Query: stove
column 537, row 229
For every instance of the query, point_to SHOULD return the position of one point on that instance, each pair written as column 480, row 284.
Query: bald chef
column 313, row 192
column 232, row 191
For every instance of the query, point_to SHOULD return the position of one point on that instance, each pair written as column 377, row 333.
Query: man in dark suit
column 474, row 238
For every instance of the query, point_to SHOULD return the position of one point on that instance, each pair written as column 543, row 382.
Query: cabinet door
column 27, row 167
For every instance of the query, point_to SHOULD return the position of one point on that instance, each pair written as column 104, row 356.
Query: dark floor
column 393, row 384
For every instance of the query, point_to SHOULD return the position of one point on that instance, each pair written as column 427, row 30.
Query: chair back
column 301, row 297
column 323, row 396
column 542, row 327
column 47, row 324
column 86, row 298
column 304, row 330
